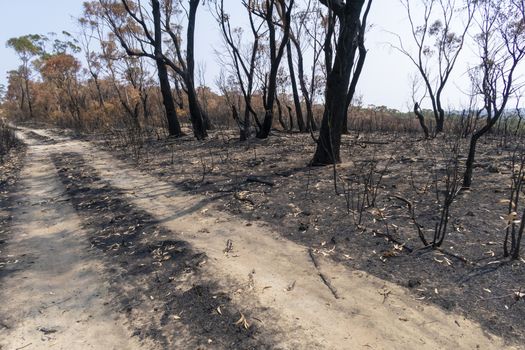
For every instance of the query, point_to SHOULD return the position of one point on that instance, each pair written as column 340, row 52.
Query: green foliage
column 27, row 46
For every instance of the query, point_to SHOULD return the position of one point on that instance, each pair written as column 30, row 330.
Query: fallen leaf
column 242, row 322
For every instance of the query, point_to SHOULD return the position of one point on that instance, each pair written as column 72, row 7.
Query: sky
column 384, row 81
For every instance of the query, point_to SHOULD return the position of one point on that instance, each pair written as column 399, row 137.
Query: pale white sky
column 385, row 79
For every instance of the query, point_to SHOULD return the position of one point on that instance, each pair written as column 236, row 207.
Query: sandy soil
column 305, row 300
column 51, row 292
column 269, row 180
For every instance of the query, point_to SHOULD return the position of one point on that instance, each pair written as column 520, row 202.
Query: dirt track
column 53, row 296
column 58, row 291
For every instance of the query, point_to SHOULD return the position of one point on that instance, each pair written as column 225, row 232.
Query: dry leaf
column 242, row 322
column 510, row 217
column 399, row 247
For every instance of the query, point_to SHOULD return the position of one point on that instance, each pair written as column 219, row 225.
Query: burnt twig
column 325, row 280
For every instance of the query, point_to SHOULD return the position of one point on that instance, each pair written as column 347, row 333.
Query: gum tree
column 140, row 35
column 501, row 45
column 350, row 16
column 27, row 47
column 439, row 39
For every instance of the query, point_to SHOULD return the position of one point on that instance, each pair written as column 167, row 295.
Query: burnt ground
column 269, row 180
column 9, row 174
column 154, row 281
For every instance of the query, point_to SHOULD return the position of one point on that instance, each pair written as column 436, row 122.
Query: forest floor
column 227, row 245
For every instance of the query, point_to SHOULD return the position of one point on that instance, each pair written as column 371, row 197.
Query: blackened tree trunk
column 185, row 68
column 295, row 92
column 329, row 142
column 174, row 128
column 445, row 42
column 196, row 116
column 310, row 122
column 496, row 71
column 200, row 120
column 99, row 90
column 290, row 118
column 244, row 69
column 517, row 246
column 145, row 106
column 344, row 127
column 421, row 118
column 469, row 167
column 440, row 121
column 154, row 40
column 358, row 67
column 29, row 98
column 276, row 54
column 280, row 113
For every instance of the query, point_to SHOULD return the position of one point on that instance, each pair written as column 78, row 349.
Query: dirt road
column 53, row 296
column 57, row 293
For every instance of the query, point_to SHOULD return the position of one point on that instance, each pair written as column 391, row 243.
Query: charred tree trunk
column 310, row 123
column 329, row 142
column 99, row 89
column 276, row 54
column 295, row 92
column 290, row 118
column 358, row 67
column 199, row 120
column 344, row 128
column 144, row 97
column 421, row 118
column 196, row 116
column 174, row 128
column 440, row 121
column 469, row 166
column 280, row 113
column 29, row 99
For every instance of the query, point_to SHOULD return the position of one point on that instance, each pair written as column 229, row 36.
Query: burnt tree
column 277, row 14
column 437, row 46
column 139, row 30
column 501, row 45
column 337, row 87
column 184, row 63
